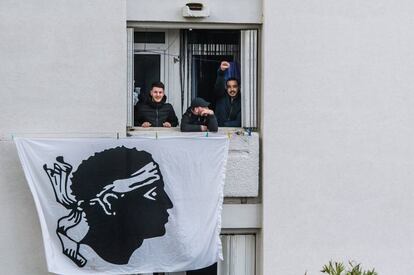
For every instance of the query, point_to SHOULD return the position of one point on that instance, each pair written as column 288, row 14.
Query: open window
column 186, row 61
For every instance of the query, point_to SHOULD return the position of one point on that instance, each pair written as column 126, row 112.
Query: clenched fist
column 224, row 65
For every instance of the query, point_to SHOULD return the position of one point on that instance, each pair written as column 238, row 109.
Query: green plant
column 338, row 268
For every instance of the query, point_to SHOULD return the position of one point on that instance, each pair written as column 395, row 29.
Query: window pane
column 205, row 73
column 239, row 252
column 147, row 69
column 149, row 37
column 205, row 49
column 214, row 37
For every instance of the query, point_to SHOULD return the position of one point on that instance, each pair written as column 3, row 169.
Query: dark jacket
column 155, row 113
column 228, row 111
column 191, row 123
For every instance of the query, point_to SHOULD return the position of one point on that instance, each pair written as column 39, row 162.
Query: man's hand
column 203, row 128
column 206, row 112
column 166, row 124
column 146, row 124
column 224, row 65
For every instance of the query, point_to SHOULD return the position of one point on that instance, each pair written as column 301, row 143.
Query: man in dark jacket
column 155, row 112
column 199, row 118
column 228, row 105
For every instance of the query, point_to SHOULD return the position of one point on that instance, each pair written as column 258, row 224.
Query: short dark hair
column 233, row 79
column 158, row 84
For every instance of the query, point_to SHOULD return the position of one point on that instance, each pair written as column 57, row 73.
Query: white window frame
column 155, row 49
column 169, row 70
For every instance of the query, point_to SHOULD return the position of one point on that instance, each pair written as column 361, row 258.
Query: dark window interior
column 210, row 270
column 205, row 50
column 213, row 37
column 149, row 37
column 205, row 68
column 146, row 71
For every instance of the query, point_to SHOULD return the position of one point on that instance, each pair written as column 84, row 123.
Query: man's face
column 199, row 110
column 157, row 94
column 232, row 88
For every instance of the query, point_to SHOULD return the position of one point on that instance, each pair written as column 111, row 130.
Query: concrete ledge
column 241, row 216
column 242, row 175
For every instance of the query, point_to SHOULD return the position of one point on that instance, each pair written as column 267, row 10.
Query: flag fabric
column 122, row 206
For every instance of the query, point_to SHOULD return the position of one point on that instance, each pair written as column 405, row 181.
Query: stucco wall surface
column 20, row 236
column 230, row 11
column 338, row 139
column 242, row 171
column 62, row 73
column 62, row 66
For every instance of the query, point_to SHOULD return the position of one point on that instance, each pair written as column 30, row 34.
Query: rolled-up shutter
column 130, row 77
column 249, row 77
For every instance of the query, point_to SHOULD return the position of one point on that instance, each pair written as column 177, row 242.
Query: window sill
column 137, row 131
column 242, row 171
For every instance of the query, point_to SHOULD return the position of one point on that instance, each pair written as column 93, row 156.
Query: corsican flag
column 122, row 206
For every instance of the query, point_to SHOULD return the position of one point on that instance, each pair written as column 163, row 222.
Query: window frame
column 250, row 110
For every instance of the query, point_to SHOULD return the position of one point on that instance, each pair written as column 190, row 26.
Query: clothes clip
column 117, row 135
column 156, row 135
column 229, row 135
column 249, row 131
column 207, row 134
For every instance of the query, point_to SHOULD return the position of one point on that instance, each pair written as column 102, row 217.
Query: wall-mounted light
column 195, row 9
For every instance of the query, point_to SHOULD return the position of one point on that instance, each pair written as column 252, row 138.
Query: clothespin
column 229, row 134
column 156, row 135
column 207, row 134
column 117, row 135
column 249, row 131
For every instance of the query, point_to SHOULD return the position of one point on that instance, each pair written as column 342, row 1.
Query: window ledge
column 138, row 131
column 242, row 173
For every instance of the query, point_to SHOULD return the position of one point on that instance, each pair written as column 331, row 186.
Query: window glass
column 146, row 71
column 187, row 62
column 149, row 37
column 205, row 51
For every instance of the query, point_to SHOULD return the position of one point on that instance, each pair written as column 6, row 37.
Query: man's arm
column 212, row 124
column 138, row 118
column 220, row 85
column 186, row 126
column 172, row 118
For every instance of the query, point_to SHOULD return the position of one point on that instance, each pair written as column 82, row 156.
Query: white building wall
column 62, row 66
column 338, row 135
column 62, row 73
column 229, row 11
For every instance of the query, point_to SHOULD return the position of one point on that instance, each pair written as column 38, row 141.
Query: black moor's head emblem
column 120, row 193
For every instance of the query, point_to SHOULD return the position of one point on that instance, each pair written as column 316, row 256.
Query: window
column 239, row 253
column 204, row 50
column 186, row 61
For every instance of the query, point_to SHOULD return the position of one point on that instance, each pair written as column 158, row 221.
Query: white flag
column 122, row 206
